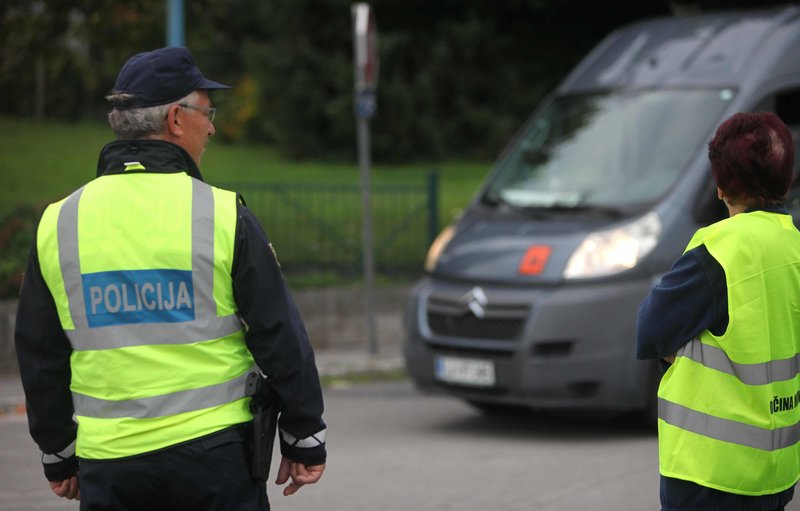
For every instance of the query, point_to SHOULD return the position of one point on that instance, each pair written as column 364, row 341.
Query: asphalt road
column 391, row 448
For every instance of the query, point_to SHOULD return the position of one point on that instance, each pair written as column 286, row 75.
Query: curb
column 355, row 361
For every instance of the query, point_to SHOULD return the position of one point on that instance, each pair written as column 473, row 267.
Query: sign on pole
column 365, row 55
column 365, row 66
column 366, row 33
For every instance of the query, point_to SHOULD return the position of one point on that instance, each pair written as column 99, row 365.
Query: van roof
column 714, row 49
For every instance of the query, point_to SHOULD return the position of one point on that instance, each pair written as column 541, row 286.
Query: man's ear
column 174, row 126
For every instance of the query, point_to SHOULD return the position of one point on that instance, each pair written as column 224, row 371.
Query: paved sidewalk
column 12, row 399
column 343, row 361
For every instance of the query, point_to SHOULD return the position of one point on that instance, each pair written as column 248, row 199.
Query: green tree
column 59, row 57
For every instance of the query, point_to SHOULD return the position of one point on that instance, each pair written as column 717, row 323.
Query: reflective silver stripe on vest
column 59, row 456
column 67, row 227
column 749, row 374
column 206, row 324
column 161, row 406
column 314, row 440
column 203, row 250
column 727, row 430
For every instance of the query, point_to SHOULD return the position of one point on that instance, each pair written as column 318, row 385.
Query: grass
column 43, row 162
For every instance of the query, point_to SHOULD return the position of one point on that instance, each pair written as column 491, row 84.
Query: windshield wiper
column 608, row 211
column 496, row 200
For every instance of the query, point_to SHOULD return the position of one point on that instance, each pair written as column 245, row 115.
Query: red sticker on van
column 534, row 260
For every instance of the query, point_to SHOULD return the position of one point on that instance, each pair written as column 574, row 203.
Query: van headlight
column 608, row 252
column 438, row 246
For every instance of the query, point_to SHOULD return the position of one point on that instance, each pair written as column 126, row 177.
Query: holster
column 265, row 406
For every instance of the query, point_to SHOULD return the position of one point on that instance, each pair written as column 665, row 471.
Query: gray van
column 530, row 298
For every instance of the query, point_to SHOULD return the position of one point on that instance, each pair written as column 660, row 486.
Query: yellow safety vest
column 139, row 266
column 729, row 407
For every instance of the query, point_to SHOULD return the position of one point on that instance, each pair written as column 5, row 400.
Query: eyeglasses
column 211, row 112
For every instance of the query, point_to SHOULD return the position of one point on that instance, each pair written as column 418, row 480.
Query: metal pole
column 175, row 23
column 366, row 232
column 365, row 60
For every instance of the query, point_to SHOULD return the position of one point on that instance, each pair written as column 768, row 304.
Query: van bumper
column 566, row 347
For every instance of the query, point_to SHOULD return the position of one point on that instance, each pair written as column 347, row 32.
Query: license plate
column 465, row 371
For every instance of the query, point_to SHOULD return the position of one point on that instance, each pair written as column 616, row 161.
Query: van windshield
column 605, row 150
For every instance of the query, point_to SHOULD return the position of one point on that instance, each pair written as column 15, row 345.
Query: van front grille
column 471, row 327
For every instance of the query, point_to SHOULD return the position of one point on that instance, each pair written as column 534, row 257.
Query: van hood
column 491, row 247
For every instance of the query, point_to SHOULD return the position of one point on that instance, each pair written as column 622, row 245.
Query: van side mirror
column 708, row 208
column 793, row 203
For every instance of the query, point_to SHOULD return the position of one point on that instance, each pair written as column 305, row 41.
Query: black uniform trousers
column 678, row 494
column 208, row 474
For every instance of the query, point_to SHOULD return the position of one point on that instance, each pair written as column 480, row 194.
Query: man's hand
column 669, row 359
column 300, row 474
column 68, row 488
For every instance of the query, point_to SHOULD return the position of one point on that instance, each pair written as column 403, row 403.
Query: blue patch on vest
column 138, row 296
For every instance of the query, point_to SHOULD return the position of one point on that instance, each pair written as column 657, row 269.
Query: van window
column 605, row 150
column 787, row 106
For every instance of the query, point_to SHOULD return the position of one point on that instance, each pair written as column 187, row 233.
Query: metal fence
column 318, row 227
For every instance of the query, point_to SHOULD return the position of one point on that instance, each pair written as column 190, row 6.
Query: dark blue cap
column 160, row 77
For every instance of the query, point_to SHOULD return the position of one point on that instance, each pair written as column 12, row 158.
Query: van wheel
column 499, row 409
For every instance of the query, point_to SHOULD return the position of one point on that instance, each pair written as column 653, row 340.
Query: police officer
column 726, row 322
column 148, row 298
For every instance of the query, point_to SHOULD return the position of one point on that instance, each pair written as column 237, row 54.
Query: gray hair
column 145, row 122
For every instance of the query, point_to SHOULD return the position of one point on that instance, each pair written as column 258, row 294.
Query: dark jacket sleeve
column 690, row 298
column 277, row 338
column 43, row 353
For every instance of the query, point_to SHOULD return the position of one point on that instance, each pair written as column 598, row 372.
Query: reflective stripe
column 727, row 430
column 749, row 374
column 122, row 336
column 314, row 440
column 59, row 456
column 203, row 249
column 160, row 406
column 206, row 324
column 68, row 258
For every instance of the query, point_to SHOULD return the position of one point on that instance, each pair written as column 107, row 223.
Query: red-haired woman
column 726, row 322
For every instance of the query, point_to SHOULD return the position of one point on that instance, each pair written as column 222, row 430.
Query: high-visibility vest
column 139, row 266
column 729, row 407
